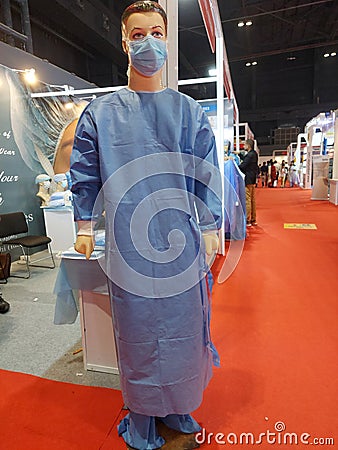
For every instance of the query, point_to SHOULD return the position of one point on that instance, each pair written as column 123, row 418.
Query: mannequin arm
column 84, row 245
column 85, row 241
column 211, row 241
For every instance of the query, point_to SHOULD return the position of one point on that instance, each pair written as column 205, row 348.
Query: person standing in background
column 284, row 175
column 293, row 178
column 249, row 167
column 264, row 174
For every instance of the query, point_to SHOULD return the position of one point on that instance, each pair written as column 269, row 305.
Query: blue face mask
column 148, row 55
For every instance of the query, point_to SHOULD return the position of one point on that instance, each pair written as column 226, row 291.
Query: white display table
column 60, row 227
column 88, row 278
column 334, row 192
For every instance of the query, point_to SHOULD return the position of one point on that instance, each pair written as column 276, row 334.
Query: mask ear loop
column 125, row 47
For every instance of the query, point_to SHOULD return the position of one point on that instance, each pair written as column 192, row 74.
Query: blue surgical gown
column 148, row 159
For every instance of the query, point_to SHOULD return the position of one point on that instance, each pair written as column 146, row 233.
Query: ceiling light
column 333, row 54
column 248, row 23
column 241, row 24
column 326, row 55
column 291, row 58
column 212, row 72
column 254, row 63
column 248, row 64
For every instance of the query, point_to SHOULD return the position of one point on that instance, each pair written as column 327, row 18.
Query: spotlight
column 69, row 105
column 241, row 24
column 326, row 55
column 254, row 63
column 333, row 54
column 248, row 64
column 248, row 23
column 29, row 75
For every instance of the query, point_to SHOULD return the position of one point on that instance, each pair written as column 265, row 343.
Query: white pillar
column 170, row 72
column 220, row 123
column 335, row 148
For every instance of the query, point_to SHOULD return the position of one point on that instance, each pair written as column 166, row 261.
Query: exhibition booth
column 315, row 156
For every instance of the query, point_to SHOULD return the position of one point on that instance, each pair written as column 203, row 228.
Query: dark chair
column 13, row 224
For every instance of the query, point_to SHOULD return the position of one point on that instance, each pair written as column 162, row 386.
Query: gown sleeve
column 85, row 168
column 208, row 184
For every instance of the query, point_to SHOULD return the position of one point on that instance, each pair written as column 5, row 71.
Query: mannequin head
column 61, row 182
column 43, row 180
column 144, row 40
column 143, row 6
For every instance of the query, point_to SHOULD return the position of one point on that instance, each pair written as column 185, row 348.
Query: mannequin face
column 46, row 184
column 140, row 25
column 61, row 180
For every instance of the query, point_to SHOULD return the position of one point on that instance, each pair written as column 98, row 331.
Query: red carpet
column 39, row 414
column 274, row 323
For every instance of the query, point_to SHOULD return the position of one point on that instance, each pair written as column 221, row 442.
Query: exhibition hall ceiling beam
column 87, row 23
column 283, row 50
column 266, row 12
column 286, row 112
column 298, row 20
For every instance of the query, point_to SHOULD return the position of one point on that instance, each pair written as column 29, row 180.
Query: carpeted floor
column 274, row 323
column 40, row 414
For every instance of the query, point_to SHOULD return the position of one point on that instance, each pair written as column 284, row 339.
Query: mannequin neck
column 138, row 82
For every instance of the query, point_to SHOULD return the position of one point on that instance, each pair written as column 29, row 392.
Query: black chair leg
column 51, row 257
column 26, row 256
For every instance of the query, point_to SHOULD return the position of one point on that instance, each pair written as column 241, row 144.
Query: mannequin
column 43, row 180
column 150, row 152
column 61, row 182
column 62, row 196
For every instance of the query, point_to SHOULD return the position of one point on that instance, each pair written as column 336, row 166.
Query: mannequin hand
column 85, row 245
column 211, row 241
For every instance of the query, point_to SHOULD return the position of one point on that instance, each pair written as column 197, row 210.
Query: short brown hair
column 144, row 6
column 251, row 143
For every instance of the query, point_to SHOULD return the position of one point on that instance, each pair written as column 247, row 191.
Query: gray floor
column 31, row 343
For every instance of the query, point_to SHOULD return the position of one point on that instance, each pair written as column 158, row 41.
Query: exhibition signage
column 31, row 134
column 17, row 180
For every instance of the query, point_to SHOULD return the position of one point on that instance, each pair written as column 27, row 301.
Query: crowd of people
column 269, row 173
column 274, row 174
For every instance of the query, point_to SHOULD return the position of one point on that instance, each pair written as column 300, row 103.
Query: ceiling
column 291, row 82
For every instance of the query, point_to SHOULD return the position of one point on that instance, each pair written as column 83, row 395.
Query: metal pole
column 7, row 30
column 26, row 24
column 8, row 20
column 220, row 123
